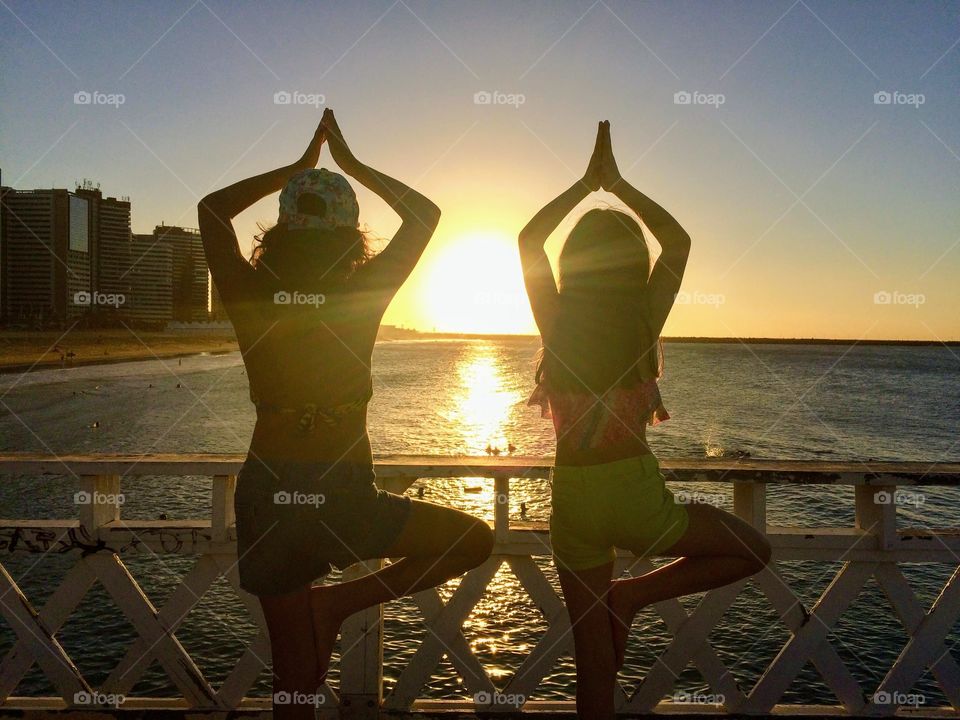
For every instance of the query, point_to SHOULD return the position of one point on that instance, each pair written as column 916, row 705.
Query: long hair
column 602, row 336
column 309, row 259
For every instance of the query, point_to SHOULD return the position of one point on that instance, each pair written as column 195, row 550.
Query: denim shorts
column 295, row 519
column 621, row 504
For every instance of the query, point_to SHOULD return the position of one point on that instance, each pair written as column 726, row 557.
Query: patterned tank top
column 618, row 416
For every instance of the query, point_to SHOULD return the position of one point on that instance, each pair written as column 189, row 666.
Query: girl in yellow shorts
column 597, row 380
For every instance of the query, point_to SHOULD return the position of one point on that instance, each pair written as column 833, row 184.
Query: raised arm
column 668, row 271
column 215, row 212
column 387, row 271
column 537, row 275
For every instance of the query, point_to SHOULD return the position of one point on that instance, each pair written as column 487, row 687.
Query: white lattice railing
column 99, row 541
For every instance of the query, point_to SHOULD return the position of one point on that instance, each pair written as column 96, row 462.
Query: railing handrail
column 756, row 470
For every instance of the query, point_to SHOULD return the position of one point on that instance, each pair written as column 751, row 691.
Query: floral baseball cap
column 338, row 204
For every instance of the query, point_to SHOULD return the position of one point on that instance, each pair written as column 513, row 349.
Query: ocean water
column 828, row 402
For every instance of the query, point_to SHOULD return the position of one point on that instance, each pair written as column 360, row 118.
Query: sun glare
column 475, row 285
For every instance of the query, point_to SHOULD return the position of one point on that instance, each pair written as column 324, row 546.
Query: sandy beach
column 22, row 350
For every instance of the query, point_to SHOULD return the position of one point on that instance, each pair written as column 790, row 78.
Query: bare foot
column 622, row 612
column 327, row 619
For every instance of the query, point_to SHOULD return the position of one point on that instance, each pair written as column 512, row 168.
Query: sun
column 475, row 285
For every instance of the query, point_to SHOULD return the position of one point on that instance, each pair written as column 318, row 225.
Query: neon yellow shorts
column 622, row 504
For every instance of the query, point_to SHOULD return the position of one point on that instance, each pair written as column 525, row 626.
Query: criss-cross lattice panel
column 808, row 641
column 156, row 640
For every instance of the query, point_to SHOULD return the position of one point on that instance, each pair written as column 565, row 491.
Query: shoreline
column 27, row 351
column 9, row 369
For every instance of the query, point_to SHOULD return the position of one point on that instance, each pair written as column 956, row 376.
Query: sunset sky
column 816, row 208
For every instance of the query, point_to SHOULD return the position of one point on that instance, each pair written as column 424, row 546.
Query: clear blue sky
column 804, row 197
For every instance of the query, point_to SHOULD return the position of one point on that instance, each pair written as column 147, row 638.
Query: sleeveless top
column 617, row 416
column 305, row 351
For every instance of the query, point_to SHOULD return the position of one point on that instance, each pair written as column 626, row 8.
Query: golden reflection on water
column 504, row 625
column 483, row 412
column 483, row 404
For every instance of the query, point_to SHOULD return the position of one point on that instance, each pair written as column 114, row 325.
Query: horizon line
column 698, row 338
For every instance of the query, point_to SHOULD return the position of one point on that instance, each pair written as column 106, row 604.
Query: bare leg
column 295, row 670
column 436, row 544
column 584, row 593
column 717, row 549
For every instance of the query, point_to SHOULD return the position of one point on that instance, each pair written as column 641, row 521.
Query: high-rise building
column 3, row 240
column 3, row 236
column 151, row 272
column 111, row 250
column 64, row 255
column 46, row 255
column 190, row 275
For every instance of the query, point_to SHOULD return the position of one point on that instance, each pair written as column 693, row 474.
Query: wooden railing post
column 501, row 508
column 876, row 512
column 750, row 503
column 99, row 501
column 361, row 640
column 222, row 515
column 361, row 662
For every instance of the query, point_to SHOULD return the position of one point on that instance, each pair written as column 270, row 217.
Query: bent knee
column 759, row 553
column 476, row 544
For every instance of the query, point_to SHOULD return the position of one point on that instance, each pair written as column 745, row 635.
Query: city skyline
column 810, row 149
column 70, row 254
